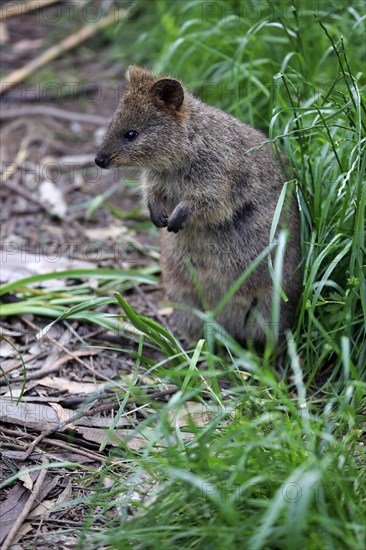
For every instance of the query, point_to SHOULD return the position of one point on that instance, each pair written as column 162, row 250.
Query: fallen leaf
column 26, row 45
column 51, row 196
column 25, row 478
column 32, row 415
column 63, row 416
column 16, row 262
column 194, row 413
column 105, row 233
column 24, row 530
column 66, row 494
column 48, row 505
column 16, row 498
column 43, row 507
column 97, row 436
column 165, row 311
column 81, row 160
column 6, row 350
column 4, row 34
column 72, row 387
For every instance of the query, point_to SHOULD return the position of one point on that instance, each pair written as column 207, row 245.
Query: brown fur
column 212, row 185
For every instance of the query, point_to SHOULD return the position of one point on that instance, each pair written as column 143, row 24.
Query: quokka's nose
column 102, row 161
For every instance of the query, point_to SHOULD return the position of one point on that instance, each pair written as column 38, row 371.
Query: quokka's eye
column 131, row 135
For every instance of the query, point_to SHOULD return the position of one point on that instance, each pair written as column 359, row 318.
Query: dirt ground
column 53, row 218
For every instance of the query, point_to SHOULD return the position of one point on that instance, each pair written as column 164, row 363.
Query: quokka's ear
column 168, row 91
column 136, row 74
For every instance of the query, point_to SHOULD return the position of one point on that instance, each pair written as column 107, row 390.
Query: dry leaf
column 52, row 196
column 16, row 263
column 15, row 501
column 62, row 414
column 97, row 436
column 25, row 478
column 99, row 421
column 32, row 415
column 105, row 233
column 65, row 495
column 127, row 378
column 48, row 505
column 43, row 507
column 165, row 311
column 24, row 530
column 4, row 34
column 26, row 45
column 6, row 350
column 193, row 413
column 72, row 387
column 81, row 160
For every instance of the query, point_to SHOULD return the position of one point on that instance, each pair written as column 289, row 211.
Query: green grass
column 273, row 461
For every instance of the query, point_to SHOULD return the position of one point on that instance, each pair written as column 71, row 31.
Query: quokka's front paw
column 158, row 215
column 174, row 225
column 177, row 218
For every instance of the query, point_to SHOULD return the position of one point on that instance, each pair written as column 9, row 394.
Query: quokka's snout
column 103, row 161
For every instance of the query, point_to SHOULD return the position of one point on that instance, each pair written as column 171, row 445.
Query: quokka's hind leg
column 183, row 318
column 261, row 329
column 187, row 323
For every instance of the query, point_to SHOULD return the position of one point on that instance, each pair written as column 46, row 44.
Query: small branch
column 62, row 425
column 21, row 157
column 56, row 443
column 55, row 51
column 56, row 365
column 97, row 374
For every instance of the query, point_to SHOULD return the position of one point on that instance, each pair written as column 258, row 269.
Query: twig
column 21, row 156
column 27, row 508
column 38, row 110
column 71, row 354
column 16, row 363
column 56, row 443
column 55, row 51
column 162, row 393
column 55, row 367
column 12, row 10
column 67, row 522
column 65, row 423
